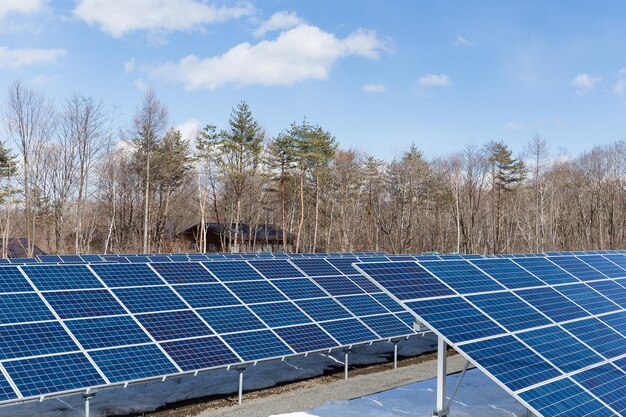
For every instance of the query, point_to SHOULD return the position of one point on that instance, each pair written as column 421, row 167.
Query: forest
column 74, row 179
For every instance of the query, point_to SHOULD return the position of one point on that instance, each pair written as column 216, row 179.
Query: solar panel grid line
column 332, row 296
column 196, row 313
column 62, row 323
column 137, row 322
column 591, row 366
column 253, row 313
column 7, row 377
column 478, row 365
column 297, row 306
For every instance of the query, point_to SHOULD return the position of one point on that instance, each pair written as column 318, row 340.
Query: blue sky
column 380, row 75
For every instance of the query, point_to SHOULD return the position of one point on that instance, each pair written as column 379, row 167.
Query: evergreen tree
column 506, row 172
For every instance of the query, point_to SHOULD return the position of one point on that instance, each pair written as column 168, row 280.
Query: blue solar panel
column 232, row 271
column 323, row 309
column 462, row 277
column 608, row 383
column 338, row 285
column 388, row 302
column 6, row 392
column 106, row 332
column 12, row 280
column 200, row 353
column 23, row 307
column 510, row 361
column 51, row 374
column 307, row 338
column 552, row 304
column 365, row 284
column 183, row 273
column 276, row 269
column 124, row 275
column 299, row 288
column 510, row 311
column 280, row 314
column 507, row 273
column 256, row 345
column 387, row 325
column 91, row 258
column 33, row 339
column 74, row 259
column 206, row 295
column 49, row 258
column 610, row 290
column 605, row 266
column 344, row 265
column 138, row 259
column 577, row 268
column 549, row 272
column 62, row 277
column 362, row 305
column 406, row 280
column 455, row 318
column 564, row 398
column 616, row 321
column 159, row 258
column 316, row 267
column 174, row 325
column 149, row 299
column 132, row 362
column 255, row 291
column 560, row 348
column 90, row 303
column 348, row 331
column 598, row 336
column 587, row 298
column 231, row 319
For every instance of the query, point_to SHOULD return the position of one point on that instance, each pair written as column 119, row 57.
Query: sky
column 379, row 75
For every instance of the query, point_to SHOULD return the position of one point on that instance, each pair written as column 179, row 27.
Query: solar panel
column 132, row 362
column 103, row 332
column 50, row 374
column 61, row 277
column 554, row 344
column 123, row 275
column 72, row 327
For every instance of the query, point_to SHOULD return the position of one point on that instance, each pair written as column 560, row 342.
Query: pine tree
column 506, row 173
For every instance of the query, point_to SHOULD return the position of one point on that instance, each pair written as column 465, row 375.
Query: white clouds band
column 20, row 57
column 302, row 53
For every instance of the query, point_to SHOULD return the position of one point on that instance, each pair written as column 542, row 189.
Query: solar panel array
column 551, row 330
column 65, row 328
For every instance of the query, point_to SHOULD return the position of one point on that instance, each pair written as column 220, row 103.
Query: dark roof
column 261, row 231
column 17, row 248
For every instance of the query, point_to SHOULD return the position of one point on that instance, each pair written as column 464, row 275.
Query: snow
column 477, row 396
column 151, row 395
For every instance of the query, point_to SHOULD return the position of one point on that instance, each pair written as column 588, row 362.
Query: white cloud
column 302, row 53
column 119, row 17
column 20, row 6
column 434, row 80
column 279, row 21
column 129, row 65
column 141, row 85
column 463, row 42
column 620, row 85
column 375, row 88
column 189, row 129
column 514, row 125
column 584, row 83
column 20, row 57
column 43, row 79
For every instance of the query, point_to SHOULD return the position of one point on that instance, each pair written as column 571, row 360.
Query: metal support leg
column 395, row 354
column 442, row 357
column 87, row 397
column 240, row 392
column 345, row 363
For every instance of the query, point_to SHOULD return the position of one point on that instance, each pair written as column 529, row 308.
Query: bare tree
column 30, row 121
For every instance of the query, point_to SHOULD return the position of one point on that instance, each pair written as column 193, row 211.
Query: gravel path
column 356, row 386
